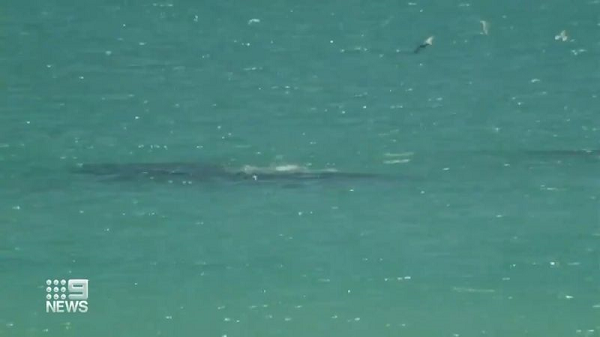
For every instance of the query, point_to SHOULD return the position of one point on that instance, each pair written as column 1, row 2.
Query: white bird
column 485, row 27
column 562, row 36
column 427, row 42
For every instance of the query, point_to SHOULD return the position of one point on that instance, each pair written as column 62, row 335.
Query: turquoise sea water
column 489, row 225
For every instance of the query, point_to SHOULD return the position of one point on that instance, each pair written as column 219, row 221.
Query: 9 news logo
column 67, row 296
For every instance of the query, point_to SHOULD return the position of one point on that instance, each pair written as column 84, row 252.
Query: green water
column 489, row 227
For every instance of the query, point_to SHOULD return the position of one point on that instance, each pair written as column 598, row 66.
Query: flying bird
column 424, row 45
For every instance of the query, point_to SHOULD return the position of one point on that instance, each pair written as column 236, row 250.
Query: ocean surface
column 481, row 217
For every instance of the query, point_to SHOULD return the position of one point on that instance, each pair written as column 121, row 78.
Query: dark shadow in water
column 289, row 176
